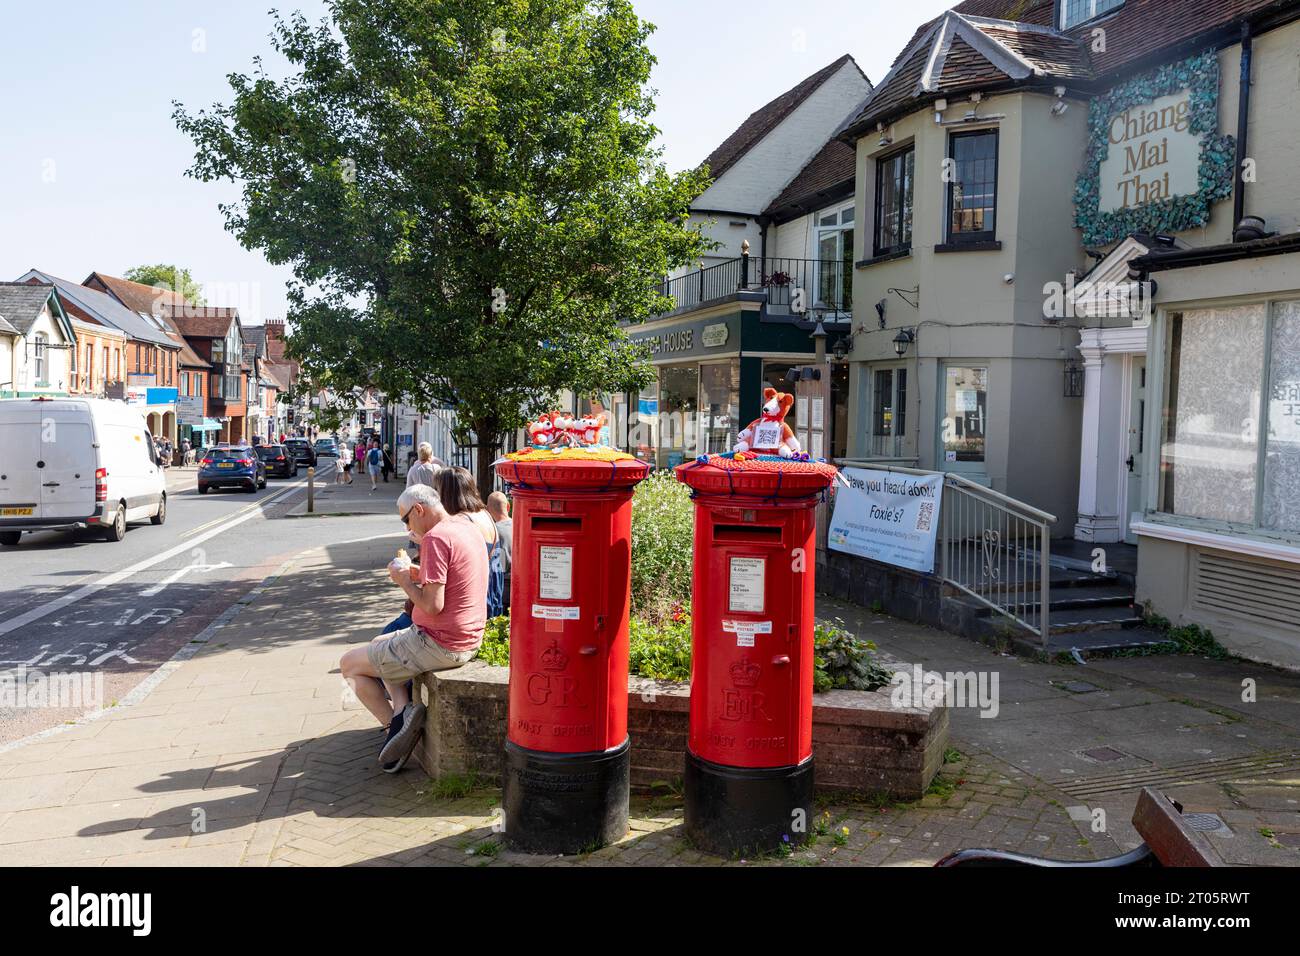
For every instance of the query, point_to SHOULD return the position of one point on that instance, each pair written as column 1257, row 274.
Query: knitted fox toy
column 769, row 434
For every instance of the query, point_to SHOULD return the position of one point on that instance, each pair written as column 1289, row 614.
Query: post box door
column 563, row 644
column 753, row 666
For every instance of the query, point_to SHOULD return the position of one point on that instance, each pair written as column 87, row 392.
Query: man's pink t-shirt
column 454, row 553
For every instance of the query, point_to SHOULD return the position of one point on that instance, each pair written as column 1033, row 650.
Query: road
column 73, row 604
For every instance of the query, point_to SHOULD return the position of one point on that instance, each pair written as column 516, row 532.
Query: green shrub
column 663, row 522
column 495, row 649
column 840, row 660
column 661, row 652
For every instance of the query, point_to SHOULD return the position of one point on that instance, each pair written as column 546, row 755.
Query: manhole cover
column 1076, row 686
column 1207, row 823
column 1104, row 754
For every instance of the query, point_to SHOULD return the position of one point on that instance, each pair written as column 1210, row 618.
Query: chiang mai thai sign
column 1153, row 154
column 1155, row 160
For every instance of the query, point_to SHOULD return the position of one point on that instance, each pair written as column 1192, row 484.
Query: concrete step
column 1100, row 595
column 1071, row 620
column 1104, row 640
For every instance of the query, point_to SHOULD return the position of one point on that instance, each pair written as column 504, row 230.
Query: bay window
column 973, row 186
column 894, row 177
column 1230, row 450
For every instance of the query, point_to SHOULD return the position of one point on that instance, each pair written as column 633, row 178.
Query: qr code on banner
column 924, row 516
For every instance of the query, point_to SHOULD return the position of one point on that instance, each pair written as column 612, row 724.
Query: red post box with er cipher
column 566, row 776
column 749, row 768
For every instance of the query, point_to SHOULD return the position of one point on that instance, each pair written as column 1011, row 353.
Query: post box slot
column 747, row 533
column 549, row 523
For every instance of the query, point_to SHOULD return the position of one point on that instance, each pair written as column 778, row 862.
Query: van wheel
column 10, row 538
column 161, row 516
column 117, row 530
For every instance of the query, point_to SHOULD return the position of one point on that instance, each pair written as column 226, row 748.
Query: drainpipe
column 1243, row 118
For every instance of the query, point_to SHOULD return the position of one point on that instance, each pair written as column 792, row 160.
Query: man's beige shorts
column 408, row 653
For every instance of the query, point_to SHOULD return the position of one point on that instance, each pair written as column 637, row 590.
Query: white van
column 76, row 463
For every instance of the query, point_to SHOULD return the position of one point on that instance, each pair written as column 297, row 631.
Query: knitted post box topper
column 769, row 434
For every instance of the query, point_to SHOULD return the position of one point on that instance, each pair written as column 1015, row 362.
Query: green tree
column 468, row 194
column 173, row 278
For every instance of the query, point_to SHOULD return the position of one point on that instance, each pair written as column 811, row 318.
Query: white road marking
column 180, row 573
column 36, row 613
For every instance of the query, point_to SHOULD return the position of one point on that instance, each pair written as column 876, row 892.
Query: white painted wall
column 57, row 360
column 760, row 175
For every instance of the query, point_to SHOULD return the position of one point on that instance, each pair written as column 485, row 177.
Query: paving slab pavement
column 251, row 753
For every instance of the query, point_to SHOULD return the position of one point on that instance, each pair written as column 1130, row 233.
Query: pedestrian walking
column 424, row 470
column 387, row 464
column 374, row 464
column 343, row 472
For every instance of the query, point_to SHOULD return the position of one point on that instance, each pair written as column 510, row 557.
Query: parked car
column 301, row 450
column 227, row 466
column 327, row 447
column 278, row 461
column 76, row 463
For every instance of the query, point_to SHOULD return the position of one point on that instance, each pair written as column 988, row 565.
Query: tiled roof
column 210, row 322
column 105, row 308
column 136, row 296
column 1142, row 27
column 993, row 43
column 21, row 304
column 278, row 373
column 826, row 173
column 766, row 118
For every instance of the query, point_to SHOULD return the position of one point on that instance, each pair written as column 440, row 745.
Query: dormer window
column 1074, row 12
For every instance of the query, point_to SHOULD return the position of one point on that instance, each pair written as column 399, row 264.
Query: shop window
column 965, row 416
column 839, row 443
column 1231, row 439
column 973, row 190
column 888, row 412
column 679, row 387
column 894, row 176
column 643, row 431
column 719, row 406
column 774, row 376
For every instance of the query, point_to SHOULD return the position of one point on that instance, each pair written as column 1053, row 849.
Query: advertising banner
column 888, row 517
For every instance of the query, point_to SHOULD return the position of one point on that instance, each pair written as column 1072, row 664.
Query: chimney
column 274, row 329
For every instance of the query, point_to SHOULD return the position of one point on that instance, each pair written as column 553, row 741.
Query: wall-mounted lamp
column 843, row 346
column 1073, row 380
column 939, row 106
column 902, row 341
column 885, row 138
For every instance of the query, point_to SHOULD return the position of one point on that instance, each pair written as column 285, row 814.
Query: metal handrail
column 982, row 550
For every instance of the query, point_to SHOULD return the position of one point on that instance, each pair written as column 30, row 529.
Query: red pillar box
column 749, row 768
column 567, row 752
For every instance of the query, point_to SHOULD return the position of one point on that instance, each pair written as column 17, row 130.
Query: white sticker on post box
column 551, row 613
column 746, row 585
column 745, row 630
column 555, row 574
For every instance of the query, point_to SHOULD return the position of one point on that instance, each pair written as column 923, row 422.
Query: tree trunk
column 487, row 453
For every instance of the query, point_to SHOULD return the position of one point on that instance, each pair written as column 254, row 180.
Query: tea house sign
column 1155, row 160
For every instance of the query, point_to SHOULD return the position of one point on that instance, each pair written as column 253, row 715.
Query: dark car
column 278, row 461
column 301, row 450
column 231, row 466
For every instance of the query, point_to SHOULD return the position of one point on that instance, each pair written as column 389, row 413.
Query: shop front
column 710, row 372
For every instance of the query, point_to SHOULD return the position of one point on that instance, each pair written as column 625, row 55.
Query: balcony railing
column 792, row 286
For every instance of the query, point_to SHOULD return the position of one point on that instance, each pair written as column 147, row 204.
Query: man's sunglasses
column 406, row 518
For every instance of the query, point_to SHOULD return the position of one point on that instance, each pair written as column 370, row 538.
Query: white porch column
column 1099, row 456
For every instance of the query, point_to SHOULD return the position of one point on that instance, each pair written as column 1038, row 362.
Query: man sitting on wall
column 448, row 595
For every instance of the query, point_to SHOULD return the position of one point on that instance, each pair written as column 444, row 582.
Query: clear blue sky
column 91, row 165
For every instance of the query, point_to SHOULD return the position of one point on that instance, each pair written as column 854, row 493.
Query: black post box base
column 565, row 803
column 733, row 811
